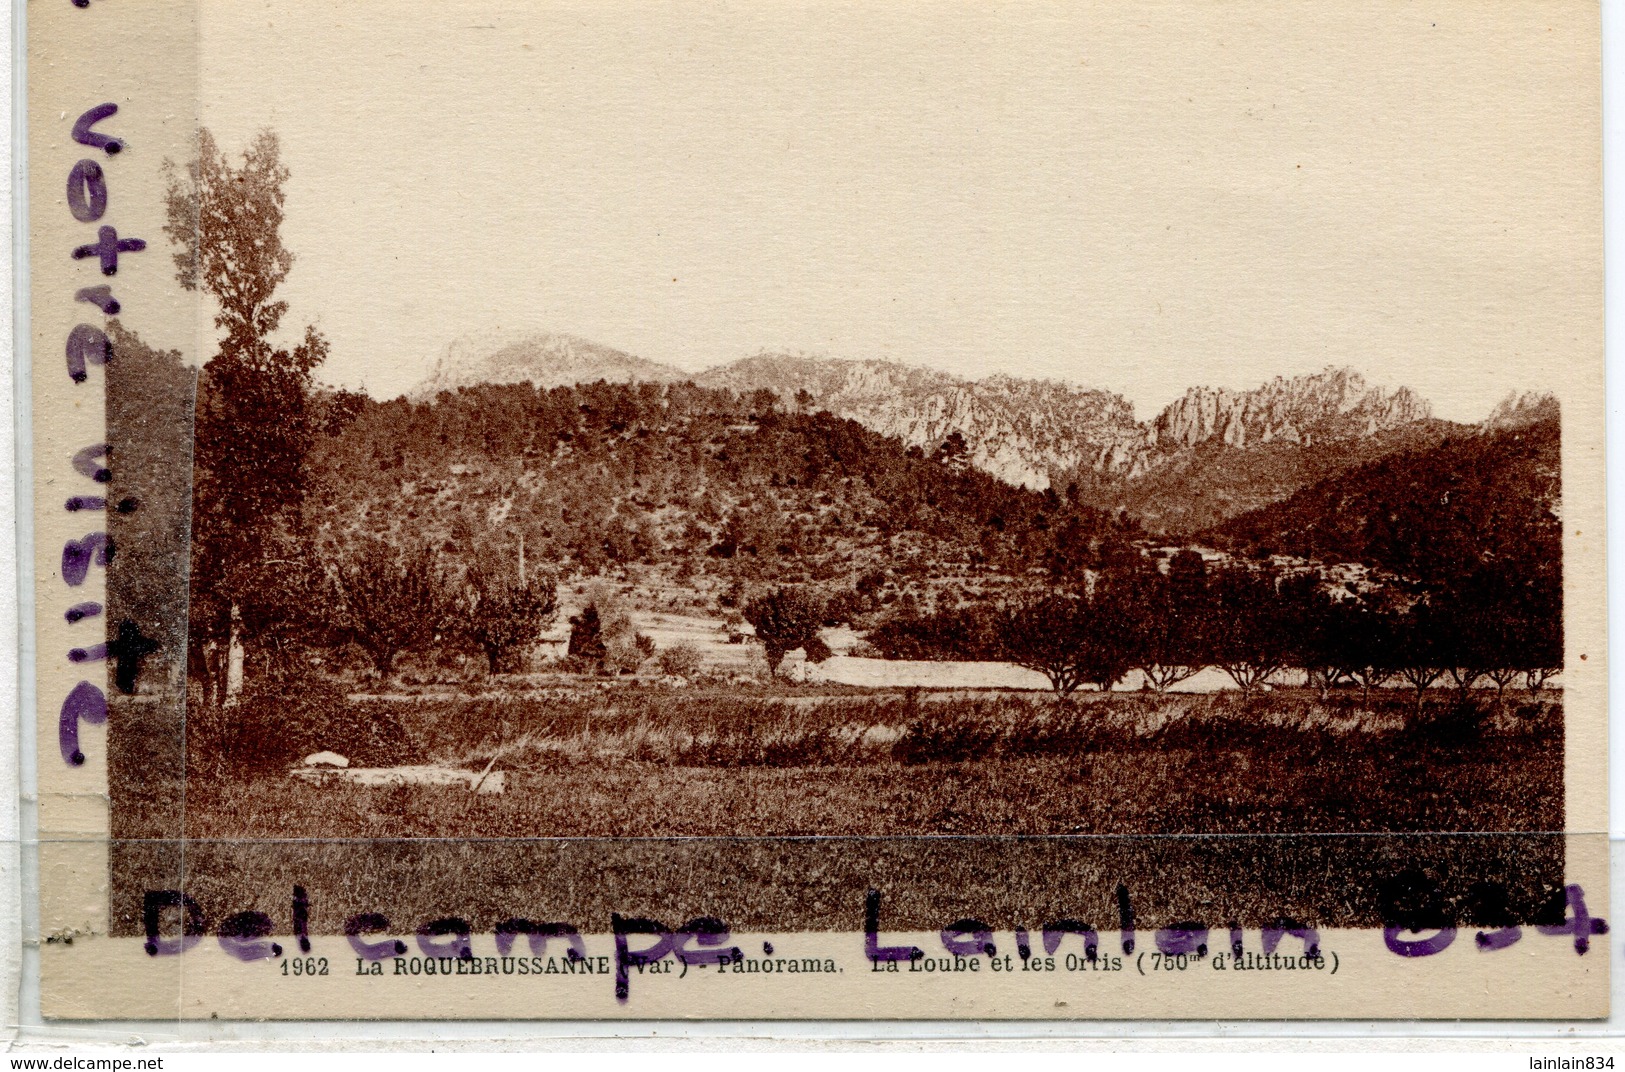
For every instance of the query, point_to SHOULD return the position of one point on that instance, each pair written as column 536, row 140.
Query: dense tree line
column 1494, row 626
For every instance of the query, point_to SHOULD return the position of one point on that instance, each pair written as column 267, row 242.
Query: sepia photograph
column 1084, row 464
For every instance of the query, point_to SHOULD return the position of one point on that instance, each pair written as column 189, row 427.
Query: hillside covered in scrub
column 792, row 519
column 1212, row 481
column 703, row 480
column 1488, row 499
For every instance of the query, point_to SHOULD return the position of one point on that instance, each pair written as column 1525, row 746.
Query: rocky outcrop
column 1333, row 404
column 1517, row 410
column 1030, row 431
column 1022, row 431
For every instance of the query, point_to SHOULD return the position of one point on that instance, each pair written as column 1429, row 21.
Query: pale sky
column 1135, row 196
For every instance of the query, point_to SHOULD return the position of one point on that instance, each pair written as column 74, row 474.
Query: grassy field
column 653, row 764
column 780, row 807
column 792, row 884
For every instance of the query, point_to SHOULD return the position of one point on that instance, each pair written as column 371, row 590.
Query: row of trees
column 1254, row 624
column 389, row 602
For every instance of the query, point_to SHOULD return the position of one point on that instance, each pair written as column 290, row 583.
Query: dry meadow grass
column 778, row 809
column 648, row 763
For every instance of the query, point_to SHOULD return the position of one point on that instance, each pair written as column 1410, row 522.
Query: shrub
column 945, row 737
column 627, row 652
column 1460, row 722
column 679, row 660
column 275, row 725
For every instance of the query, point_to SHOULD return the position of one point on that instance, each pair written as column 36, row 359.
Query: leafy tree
column 254, row 422
column 1475, row 631
column 1535, row 678
column 1421, row 653
column 1167, row 619
column 1109, row 632
column 1501, row 677
column 1539, row 631
column 1361, row 637
column 1250, row 639
column 503, row 615
column 587, row 637
column 1309, row 614
column 285, row 614
column 1046, row 636
column 390, row 601
column 1515, row 620
column 1070, row 639
column 785, row 618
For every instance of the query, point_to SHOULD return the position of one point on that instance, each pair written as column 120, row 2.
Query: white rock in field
column 326, row 759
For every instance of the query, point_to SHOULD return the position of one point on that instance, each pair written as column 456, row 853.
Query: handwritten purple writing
column 88, row 346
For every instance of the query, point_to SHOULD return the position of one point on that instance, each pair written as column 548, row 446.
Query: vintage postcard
column 867, row 510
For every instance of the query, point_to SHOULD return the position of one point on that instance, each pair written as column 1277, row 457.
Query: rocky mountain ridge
column 1027, row 432
column 1336, row 403
column 1232, row 450
column 1022, row 431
